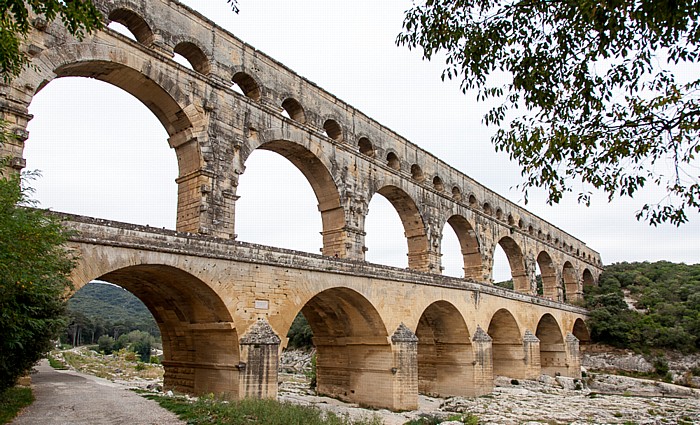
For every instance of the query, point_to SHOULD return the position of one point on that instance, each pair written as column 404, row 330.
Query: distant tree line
column 647, row 306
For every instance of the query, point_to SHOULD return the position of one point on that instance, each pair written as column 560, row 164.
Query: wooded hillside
column 647, row 306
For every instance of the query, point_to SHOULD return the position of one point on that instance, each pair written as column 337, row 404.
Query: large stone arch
column 470, row 247
column 413, row 225
column 315, row 168
column 507, row 345
column 551, row 288
column 445, row 354
column 581, row 332
column 516, row 260
column 153, row 87
column 553, row 358
column 200, row 341
column 354, row 356
column 587, row 279
column 570, row 282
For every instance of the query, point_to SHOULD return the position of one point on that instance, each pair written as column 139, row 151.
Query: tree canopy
column 592, row 95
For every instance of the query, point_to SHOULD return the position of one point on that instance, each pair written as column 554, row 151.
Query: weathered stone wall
column 369, row 321
column 347, row 157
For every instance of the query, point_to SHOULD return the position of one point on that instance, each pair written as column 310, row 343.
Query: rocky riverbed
column 599, row 398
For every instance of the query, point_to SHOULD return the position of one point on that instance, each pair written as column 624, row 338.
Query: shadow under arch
column 445, row 354
column 414, row 228
column 516, row 260
column 324, row 187
column 469, row 244
column 353, row 354
column 553, row 358
column 570, row 282
column 580, row 331
column 200, row 342
column 507, row 345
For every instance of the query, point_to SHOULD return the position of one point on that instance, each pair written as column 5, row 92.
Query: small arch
column 588, row 279
column 136, row 25
column 333, row 130
column 511, row 220
column 366, row 147
column 530, row 230
column 507, row 345
column 550, row 287
column 570, row 281
column 580, row 331
column 540, row 234
column 487, row 208
column 248, row 86
column 556, row 241
column 499, row 214
column 456, row 193
column 194, row 55
column 444, row 348
column 438, row 184
column 417, row 173
column 294, row 109
column 414, row 228
column 469, row 246
column 552, row 351
column 549, row 237
column 393, row 161
column 472, row 201
column 516, row 261
column 521, row 223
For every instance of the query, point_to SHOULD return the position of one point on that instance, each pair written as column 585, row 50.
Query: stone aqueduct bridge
column 382, row 334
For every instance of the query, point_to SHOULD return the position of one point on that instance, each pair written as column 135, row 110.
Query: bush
column 105, row 344
column 34, row 270
column 300, row 334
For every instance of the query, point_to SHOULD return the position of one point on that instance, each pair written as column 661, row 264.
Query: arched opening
column 472, row 201
column 438, row 184
column 462, row 257
column 353, row 356
column 499, row 214
column 194, row 55
column 500, row 269
column 521, row 283
column 135, row 25
column 570, row 282
column 81, row 145
column 333, row 130
column 445, row 352
column 200, row 343
column 246, row 85
column 511, row 220
column 122, row 29
column 588, row 279
column 456, row 194
column 487, row 208
column 384, row 234
column 413, row 227
column 417, row 173
column 393, row 161
column 548, row 277
column 366, row 147
column 507, row 345
column 581, row 332
column 273, row 184
column 294, row 110
column 552, row 351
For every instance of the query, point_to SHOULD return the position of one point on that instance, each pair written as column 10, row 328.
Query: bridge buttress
column 259, row 364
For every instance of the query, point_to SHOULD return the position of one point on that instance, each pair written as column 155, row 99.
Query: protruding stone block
column 405, row 370
column 483, row 362
column 573, row 356
column 531, row 348
column 259, row 361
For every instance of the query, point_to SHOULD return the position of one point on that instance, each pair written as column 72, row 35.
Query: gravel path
column 65, row 397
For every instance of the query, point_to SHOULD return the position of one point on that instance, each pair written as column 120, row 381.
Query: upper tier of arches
column 346, row 157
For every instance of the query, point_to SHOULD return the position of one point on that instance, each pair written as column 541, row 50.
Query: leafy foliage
column 34, row 270
column 12, row 401
column 300, row 334
column 666, row 306
column 596, row 80
column 78, row 16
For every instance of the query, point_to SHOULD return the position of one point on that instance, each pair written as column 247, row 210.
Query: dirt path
column 65, row 397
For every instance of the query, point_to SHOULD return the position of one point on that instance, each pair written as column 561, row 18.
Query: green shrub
column 12, row 400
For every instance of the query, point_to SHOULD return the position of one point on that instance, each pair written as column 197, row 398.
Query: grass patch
column 466, row 418
column 55, row 363
column 12, row 401
column 210, row 411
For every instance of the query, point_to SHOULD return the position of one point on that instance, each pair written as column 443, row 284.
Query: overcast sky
column 104, row 154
